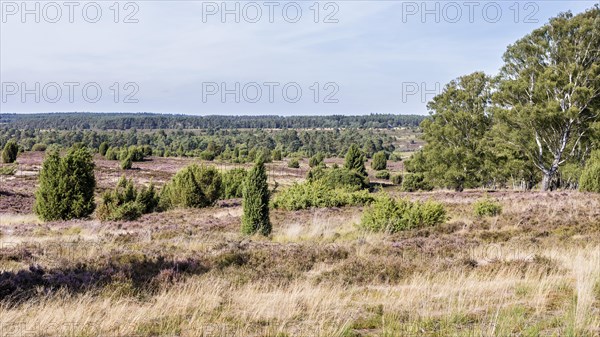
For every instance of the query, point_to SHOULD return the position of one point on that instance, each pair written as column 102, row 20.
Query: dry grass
column 534, row 270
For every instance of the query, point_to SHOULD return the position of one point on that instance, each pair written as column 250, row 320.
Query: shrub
column 193, row 186
column 66, row 186
column 316, row 194
column 103, row 148
column 382, row 175
column 338, row 178
column 397, row 179
column 233, row 183
column 379, row 161
column 316, row 160
column 487, row 207
column 39, row 147
column 126, row 163
column 125, row 202
column 389, row 215
column 294, row 163
column 276, row 154
column 255, row 217
column 112, row 154
column 415, row 182
column 590, row 177
column 10, row 152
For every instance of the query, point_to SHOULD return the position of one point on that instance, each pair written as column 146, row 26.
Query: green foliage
column 590, row 177
column 192, row 187
column 294, row 163
column 397, row 179
column 10, row 152
column 103, row 148
column 315, row 194
column 570, row 175
column 276, row 154
column 125, row 202
column 379, row 161
column 316, row 160
column 338, row 178
column 487, row 207
column 66, row 186
column 233, row 183
column 382, row 175
column 389, row 215
column 39, row 147
column 126, row 163
column 355, row 160
column 112, row 154
column 255, row 217
column 415, row 182
column 548, row 91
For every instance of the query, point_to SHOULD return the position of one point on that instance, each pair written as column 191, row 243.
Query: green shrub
column 233, row 183
column 487, row 207
column 125, row 202
column 315, row 194
column 389, row 215
column 276, row 154
column 112, row 154
column 338, row 178
column 294, row 163
column 127, row 163
column 10, row 152
column 382, row 175
column 316, row 160
column 255, row 216
column 66, row 186
column 39, row 147
column 590, row 177
column 415, row 182
column 379, row 161
column 192, row 187
column 103, row 148
column 397, row 179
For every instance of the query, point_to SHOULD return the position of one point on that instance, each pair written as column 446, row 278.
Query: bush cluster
column 487, row 207
column 397, row 179
column 389, row 215
column 192, row 187
column 233, row 183
column 383, row 174
column 379, row 161
column 294, row 163
column 315, row 194
column 415, row 182
column 336, row 177
column 126, row 202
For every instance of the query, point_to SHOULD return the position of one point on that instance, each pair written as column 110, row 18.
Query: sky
column 231, row 57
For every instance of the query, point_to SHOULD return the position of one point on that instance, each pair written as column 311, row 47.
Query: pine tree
column 10, row 152
column 67, row 186
column 103, row 148
column 355, row 160
column 256, row 201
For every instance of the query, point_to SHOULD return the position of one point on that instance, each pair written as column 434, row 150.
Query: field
column 534, row 270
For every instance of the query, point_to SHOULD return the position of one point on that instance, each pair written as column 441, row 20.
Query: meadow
column 532, row 270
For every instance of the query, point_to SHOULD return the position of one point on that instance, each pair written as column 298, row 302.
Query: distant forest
column 126, row 121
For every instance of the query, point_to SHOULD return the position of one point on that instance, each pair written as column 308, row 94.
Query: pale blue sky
column 373, row 55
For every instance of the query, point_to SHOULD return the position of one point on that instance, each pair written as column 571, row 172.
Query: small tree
column 276, row 154
column 127, row 163
column 194, row 186
column 103, row 148
column 67, row 184
column 10, row 152
column 355, row 160
column 379, row 161
column 255, row 218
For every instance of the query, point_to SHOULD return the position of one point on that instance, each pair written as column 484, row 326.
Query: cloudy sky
column 202, row 57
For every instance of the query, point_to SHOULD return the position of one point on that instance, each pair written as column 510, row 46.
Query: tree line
column 148, row 121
